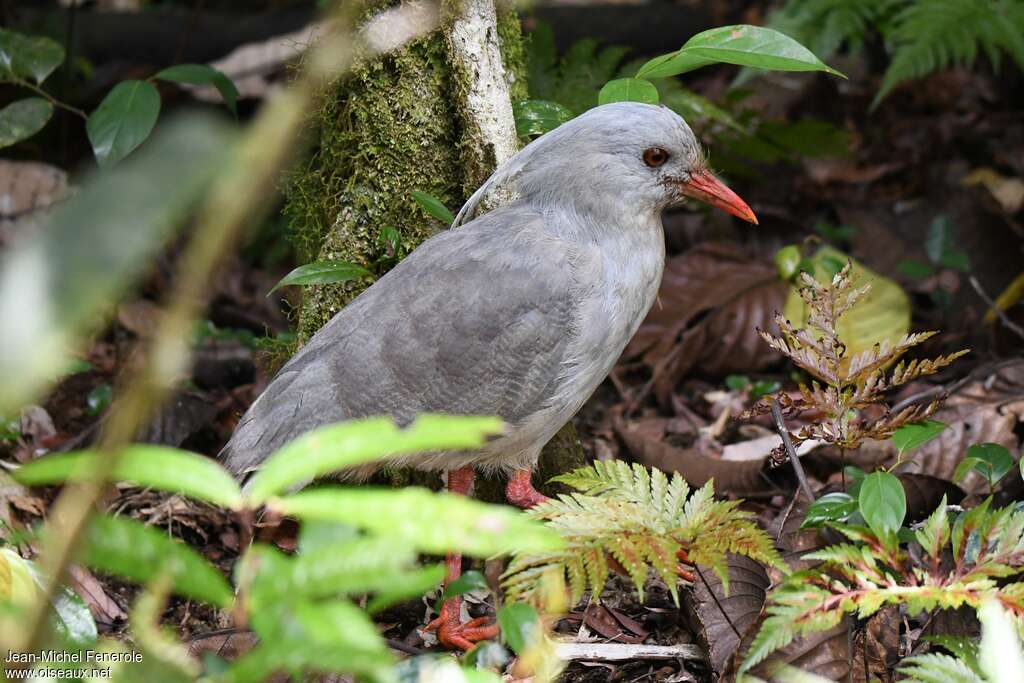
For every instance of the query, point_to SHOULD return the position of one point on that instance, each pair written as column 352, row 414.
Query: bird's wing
column 475, row 321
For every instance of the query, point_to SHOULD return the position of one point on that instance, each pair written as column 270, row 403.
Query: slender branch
column 50, row 98
column 780, row 425
column 241, row 192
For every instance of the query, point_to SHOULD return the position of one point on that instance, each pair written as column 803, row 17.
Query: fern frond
column 934, row 35
column 937, row 668
column 641, row 519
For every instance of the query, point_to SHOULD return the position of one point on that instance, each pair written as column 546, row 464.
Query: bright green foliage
column 322, row 273
column 922, row 36
column 860, row 577
column 641, row 519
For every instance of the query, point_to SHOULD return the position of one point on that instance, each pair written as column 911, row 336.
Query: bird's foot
column 520, row 491
column 453, row 634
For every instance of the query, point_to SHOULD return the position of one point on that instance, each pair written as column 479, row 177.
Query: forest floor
column 948, row 151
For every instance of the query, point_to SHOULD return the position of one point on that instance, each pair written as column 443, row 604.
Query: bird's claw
column 454, row 634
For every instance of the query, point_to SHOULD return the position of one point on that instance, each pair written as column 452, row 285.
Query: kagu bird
column 520, row 312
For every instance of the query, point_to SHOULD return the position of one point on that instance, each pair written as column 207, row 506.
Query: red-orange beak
column 705, row 187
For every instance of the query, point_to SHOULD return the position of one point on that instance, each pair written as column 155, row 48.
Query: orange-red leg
column 451, row 632
column 520, row 491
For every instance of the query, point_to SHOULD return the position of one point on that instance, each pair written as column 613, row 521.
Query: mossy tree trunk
column 407, row 120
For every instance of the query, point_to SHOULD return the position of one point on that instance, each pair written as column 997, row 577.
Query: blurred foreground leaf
column 132, row 550
column 347, row 444
column 160, row 467
column 428, row 521
column 55, row 285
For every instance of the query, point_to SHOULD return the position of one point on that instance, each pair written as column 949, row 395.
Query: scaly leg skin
column 520, row 491
column 451, row 632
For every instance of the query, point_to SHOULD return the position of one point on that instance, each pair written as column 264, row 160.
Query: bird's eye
column 655, row 156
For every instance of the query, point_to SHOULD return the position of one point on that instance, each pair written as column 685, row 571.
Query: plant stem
column 51, row 99
column 780, row 425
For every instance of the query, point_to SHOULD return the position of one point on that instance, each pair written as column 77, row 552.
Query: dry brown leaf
column 924, row 493
column 826, row 654
column 719, row 620
column 1009, row 192
column 743, row 477
column 876, row 647
column 103, row 607
column 711, row 300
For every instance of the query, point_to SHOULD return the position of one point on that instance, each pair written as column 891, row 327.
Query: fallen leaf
column 103, row 607
column 1009, row 192
column 711, row 300
column 719, row 620
column 614, row 626
column 876, row 647
column 825, row 653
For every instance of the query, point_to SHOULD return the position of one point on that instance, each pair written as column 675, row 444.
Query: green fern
column 641, row 519
column 934, row 35
column 921, row 36
column 986, row 545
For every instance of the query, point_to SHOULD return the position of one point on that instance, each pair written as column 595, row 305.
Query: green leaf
column 32, row 57
column 941, row 245
column 915, row 270
column 322, row 273
column 160, row 467
column 123, row 121
column 72, row 621
column 992, row 460
column 737, row 382
column 832, row 507
column 201, row 74
column 763, row 387
column 433, row 206
column 98, row 399
column 134, row 551
column 883, row 503
column 961, row 646
column 787, row 261
column 536, row 117
column 628, row 90
column 520, row 626
column 347, row 444
column 914, row 434
column 22, row 119
column 741, row 44
column 466, row 583
column 430, row 522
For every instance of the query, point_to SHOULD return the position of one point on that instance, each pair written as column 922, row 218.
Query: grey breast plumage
column 475, row 321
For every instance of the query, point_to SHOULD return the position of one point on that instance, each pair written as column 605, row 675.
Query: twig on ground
column 622, row 652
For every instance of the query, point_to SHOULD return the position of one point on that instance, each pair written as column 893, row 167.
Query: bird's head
column 640, row 157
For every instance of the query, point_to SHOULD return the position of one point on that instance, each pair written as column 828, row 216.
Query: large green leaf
column 22, row 119
column 56, row 285
column 741, row 44
column 628, row 90
column 914, row 434
column 159, row 467
column 201, row 74
column 132, row 550
column 832, row 507
column 883, row 503
column 536, row 117
column 321, row 273
column 32, row 57
column 347, row 444
column 428, row 521
column 123, row 121
column 520, row 626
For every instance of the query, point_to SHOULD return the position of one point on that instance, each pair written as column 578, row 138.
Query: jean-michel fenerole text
column 65, row 657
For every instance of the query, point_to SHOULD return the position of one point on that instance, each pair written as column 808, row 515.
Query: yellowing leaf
column 883, row 314
column 16, row 583
column 1009, row 192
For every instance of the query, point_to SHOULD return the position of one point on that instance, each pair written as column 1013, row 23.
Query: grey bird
column 520, row 312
